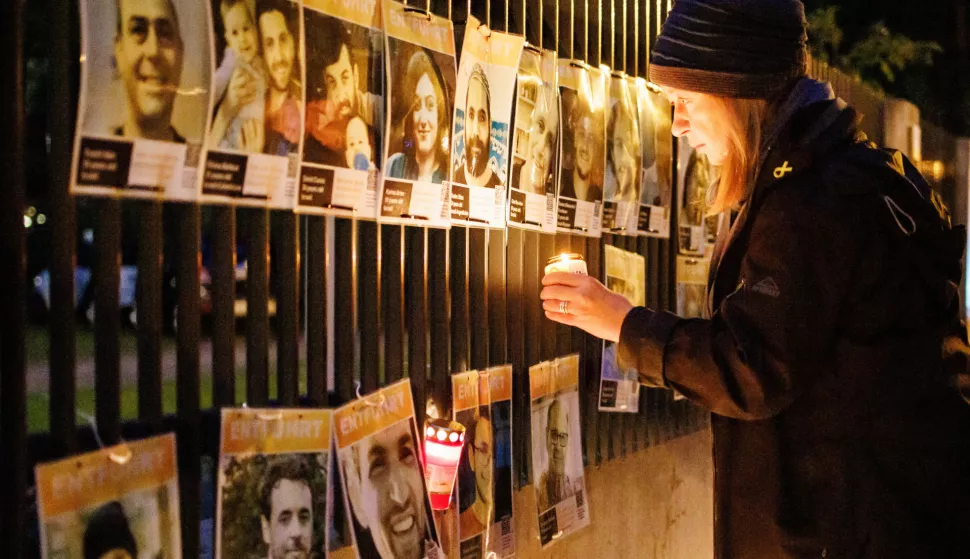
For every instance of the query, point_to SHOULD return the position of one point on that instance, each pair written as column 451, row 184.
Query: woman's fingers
column 560, row 292
column 564, row 278
column 567, row 319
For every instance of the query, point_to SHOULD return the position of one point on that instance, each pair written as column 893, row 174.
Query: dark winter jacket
column 835, row 432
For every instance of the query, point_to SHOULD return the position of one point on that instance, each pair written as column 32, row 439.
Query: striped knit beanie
column 751, row 49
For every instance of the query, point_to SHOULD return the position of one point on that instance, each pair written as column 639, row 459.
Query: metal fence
column 409, row 302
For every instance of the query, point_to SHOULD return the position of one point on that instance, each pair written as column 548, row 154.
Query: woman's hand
column 589, row 304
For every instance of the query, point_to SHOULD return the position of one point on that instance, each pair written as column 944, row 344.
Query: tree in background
column 877, row 57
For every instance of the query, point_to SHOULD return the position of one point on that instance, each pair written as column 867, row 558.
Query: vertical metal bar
column 223, row 275
column 257, row 311
column 345, row 308
column 550, row 330
column 149, row 312
column 416, row 297
column 392, row 304
column 438, row 306
column 536, row 325
column 516, row 322
column 13, row 284
column 288, row 309
column 187, row 384
column 368, row 299
column 460, row 331
column 656, row 270
column 496, row 285
column 316, row 309
column 61, row 325
column 478, row 297
column 107, row 327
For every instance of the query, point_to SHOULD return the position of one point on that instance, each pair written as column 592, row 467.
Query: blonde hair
column 743, row 121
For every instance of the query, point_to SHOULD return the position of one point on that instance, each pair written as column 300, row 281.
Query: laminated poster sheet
column 123, row 498
column 379, row 452
column 344, row 133
column 534, row 177
column 258, row 98
column 557, row 455
column 692, row 286
column 483, row 108
column 483, row 404
column 695, row 176
column 420, row 62
column 582, row 89
column 144, row 98
column 657, row 145
column 621, row 194
column 626, row 275
column 274, row 471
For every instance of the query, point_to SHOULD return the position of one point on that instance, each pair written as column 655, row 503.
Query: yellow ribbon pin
column 783, row 170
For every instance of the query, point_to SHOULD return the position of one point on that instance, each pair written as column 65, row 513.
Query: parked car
column 84, row 292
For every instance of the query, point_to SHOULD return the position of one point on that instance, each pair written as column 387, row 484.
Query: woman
column 426, row 125
column 836, row 433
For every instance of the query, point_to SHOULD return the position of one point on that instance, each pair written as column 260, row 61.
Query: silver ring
column 563, row 307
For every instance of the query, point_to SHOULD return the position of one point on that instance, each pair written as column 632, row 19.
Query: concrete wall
column 901, row 127
column 655, row 504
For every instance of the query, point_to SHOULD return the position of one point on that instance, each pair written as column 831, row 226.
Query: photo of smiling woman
column 421, row 114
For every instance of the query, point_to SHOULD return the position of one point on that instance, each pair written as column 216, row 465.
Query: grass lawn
column 38, row 343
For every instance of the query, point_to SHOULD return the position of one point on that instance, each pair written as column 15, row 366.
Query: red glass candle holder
column 443, row 441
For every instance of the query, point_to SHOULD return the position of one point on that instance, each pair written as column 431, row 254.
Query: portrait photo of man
column 583, row 145
column 108, row 535
column 341, row 111
column 147, row 71
column 657, row 149
column 286, row 507
column 477, row 133
column 273, row 506
column 148, row 53
column 622, row 153
column 536, row 172
column 479, row 515
column 555, row 485
column 280, row 40
column 385, row 487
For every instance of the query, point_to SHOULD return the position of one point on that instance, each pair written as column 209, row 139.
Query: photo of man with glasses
column 478, row 516
column 554, row 485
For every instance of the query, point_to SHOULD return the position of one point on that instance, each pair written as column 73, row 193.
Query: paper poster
column 483, row 108
column 483, row 404
column 122, row 500
column 344, row 130
column 695, row 177
column 657, row 165
column 692, row 286
column 379, row 451
column 340, row 540
column 557, row 455
column 257, row 118
column 582, row 90
column 420, row 61
column 143, row 100
column 534, row 178
column 273, row 477
column 626, row 275
column 621, row 194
